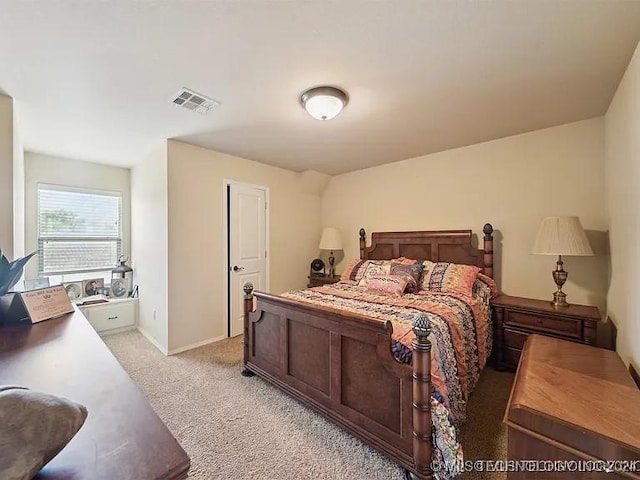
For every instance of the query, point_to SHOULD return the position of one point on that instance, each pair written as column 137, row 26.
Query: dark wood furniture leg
column 498, row 339
column 422, row 395
column 488, row 249
column 248, row 308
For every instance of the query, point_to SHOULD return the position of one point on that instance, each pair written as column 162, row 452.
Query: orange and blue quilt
column 461, row 339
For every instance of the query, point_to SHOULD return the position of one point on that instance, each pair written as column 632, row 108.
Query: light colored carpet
column 243, row 428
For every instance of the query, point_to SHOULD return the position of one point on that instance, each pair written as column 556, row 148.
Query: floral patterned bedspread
column 461, row 340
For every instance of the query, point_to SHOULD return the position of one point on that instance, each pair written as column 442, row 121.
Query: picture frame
column 120, row 287
column 36, row 283
column 92, row 286
column 75, row 290
column 46, row 303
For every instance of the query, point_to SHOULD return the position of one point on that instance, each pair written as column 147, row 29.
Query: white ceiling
column 92, row 79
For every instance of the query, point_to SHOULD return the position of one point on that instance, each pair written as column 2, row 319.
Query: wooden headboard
column 438, row 246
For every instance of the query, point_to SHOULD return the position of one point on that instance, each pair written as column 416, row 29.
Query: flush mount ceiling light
column 324, row 103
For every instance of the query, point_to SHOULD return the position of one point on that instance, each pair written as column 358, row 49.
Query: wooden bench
column 572, row 402
column 122, row 438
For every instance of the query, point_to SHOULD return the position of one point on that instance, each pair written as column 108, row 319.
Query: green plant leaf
column 14, row 273
column 4, row 265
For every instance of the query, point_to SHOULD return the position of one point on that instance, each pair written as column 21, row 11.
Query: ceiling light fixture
column 324, row 103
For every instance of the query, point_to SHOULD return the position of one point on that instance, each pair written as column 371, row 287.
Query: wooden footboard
column 341, row 365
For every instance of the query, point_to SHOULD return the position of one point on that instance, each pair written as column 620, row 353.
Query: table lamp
column 561, row 236
column 331, row 241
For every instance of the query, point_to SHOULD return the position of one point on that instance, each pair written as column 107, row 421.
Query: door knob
column 236, row 268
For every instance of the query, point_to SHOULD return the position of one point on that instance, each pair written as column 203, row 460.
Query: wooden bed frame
column 341, row 364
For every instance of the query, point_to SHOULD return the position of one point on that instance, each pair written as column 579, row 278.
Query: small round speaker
column 317, row 266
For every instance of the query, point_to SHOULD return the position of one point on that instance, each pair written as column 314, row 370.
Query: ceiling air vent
column 193, row 101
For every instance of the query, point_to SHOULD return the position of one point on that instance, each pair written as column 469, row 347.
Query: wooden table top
column 545, row 306
column 122, row 438
column 585, row 388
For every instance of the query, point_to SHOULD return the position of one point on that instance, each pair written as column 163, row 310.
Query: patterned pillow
column 388, row 284
column 354, row 270
column 405, row 261
column 412, row 271
column 448, row 277
column 375, row 268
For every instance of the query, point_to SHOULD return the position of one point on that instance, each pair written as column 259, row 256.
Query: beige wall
column 6, row 176
column 622, row 168
column 196, row 236
column 149, row 245
column 512, row 183
column 73, row 173
column 18, row 190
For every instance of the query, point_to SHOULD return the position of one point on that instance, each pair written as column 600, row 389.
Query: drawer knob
column 539, row 321
column 113, row 318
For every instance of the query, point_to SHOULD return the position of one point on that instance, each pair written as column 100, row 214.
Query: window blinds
column 78, row 231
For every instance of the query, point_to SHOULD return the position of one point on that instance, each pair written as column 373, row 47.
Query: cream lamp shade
column 331, row 240
column 561, row 236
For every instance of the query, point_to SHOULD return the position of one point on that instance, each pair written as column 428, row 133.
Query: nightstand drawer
column 561, row 326
column 514, row 339
column 111, row 315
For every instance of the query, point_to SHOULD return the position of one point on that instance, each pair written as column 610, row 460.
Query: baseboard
column 106, row 333
column 153, row 341
column 195, row 345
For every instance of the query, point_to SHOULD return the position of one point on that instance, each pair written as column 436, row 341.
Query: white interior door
column 247, row 247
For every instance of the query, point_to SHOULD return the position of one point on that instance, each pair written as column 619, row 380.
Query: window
column 78, row 231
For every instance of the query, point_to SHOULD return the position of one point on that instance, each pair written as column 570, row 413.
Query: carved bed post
column 248, row 308
column 363, row 242
column 488, row 249
column 422, row 444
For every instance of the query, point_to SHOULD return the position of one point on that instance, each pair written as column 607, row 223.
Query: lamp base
column 332, row 270
column 559, row 299
column 560, row 277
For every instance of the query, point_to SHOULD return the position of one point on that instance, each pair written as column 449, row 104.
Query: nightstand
column 319, row 280
column 515, row 318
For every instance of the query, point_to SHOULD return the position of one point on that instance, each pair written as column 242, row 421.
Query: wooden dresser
column 516, row 318
column 122, row 438
column 573, row 404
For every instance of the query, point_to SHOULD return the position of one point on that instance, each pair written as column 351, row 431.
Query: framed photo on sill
column 93, row 286
column 120, row 287
column 74, row 290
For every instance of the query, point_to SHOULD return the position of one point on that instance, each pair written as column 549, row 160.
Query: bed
column 345, row 364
